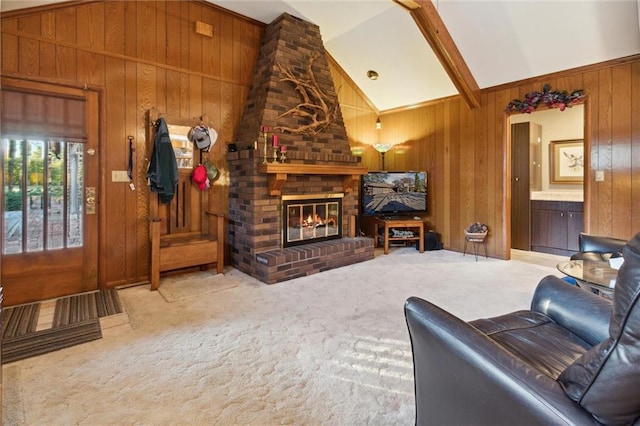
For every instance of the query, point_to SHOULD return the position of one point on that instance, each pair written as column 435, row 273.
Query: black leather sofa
column 573, row 358
column 596, row 247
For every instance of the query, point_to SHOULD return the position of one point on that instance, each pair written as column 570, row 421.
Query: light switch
column 119, row 176
column 599, row 175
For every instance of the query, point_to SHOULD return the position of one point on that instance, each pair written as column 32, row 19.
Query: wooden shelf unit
column 386, row 224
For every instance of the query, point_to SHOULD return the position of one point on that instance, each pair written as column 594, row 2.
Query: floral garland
column 551, row 98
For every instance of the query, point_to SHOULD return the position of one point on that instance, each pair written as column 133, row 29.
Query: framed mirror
column 182, row 146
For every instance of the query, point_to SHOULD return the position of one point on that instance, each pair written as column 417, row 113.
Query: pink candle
column 283, row 148
column 274, row 139
column 264, row 129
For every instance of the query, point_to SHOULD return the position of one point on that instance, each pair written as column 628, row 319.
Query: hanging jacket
column 163, row 168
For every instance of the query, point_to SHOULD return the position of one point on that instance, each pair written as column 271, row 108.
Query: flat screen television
column 393, row 193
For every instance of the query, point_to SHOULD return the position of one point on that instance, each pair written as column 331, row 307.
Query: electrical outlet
column 599, row 176
column 119, row 176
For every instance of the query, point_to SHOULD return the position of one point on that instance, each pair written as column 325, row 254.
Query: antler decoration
column 315, row 103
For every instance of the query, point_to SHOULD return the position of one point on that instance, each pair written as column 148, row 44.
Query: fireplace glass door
column 311, row 220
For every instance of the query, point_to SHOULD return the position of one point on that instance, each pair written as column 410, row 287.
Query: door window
column 43, row 194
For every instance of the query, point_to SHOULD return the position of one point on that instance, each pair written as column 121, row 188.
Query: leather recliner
column 573, row 358
column 596, row 247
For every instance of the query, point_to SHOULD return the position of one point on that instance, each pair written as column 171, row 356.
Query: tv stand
column 386, row 223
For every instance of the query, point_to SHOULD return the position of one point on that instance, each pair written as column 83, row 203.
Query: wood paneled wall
column 139, row 55
column 146, row 54
column 465, row 151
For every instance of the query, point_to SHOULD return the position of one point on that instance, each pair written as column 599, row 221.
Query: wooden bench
column 171, row 252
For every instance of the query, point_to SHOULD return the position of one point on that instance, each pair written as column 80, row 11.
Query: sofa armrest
column 583, row 313
column 464, row 377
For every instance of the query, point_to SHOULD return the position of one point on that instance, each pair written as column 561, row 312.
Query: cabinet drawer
column 572, row 206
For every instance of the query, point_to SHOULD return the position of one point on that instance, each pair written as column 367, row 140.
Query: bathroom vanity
column 556, row 221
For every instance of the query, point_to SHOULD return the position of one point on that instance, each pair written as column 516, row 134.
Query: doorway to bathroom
column 546, row 203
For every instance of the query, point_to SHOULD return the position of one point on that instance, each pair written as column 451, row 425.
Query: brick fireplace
column 309, row 218
column 318, row 162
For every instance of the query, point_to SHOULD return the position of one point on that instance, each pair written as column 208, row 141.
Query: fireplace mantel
column 278, row 173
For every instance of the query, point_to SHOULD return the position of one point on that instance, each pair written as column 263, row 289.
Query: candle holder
column 275, row 154
column 283, row 156
column 266, row 143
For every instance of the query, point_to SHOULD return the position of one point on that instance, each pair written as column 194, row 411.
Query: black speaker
column 431, row 241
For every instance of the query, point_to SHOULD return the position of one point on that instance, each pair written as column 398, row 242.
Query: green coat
column 163, row 168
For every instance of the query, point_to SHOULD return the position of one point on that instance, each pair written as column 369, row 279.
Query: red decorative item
column 200, row 177
column 274, row 140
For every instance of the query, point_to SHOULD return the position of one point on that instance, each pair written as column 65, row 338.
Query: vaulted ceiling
column 499, row 41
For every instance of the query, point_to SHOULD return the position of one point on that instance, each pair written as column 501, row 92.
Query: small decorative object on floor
column 477, row 228
column 476, row 234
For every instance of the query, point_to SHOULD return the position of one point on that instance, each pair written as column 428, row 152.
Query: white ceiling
column 500, row 40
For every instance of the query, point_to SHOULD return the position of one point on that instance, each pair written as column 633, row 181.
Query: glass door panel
column 43, row 195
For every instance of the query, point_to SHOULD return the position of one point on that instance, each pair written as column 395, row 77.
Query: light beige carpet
column 328, row 349
column 195, row 284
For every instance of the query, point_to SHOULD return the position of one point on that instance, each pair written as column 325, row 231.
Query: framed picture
column 566, row 161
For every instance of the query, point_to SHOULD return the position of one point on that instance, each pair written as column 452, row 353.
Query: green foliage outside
column 13, row 201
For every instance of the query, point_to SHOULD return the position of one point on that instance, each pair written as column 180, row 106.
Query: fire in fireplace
column 311, row 218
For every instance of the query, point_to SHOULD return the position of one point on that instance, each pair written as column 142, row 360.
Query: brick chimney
column 290, row 43
column 292, row 49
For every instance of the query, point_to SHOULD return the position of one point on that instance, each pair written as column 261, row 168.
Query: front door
column 50, row 191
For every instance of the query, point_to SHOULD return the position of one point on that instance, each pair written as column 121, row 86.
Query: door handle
column 90, row 200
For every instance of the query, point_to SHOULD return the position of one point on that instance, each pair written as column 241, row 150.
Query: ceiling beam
column 434, row 31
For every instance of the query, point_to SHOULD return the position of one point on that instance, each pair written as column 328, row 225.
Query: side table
column 387, row 223
column 594, row 275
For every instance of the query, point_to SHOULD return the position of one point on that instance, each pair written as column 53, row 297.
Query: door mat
column 20, row 320
column 87, row 306
column 76, row 319
column 53, row 339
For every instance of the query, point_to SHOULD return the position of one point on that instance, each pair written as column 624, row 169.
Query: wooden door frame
column 586, row 184
column 52, row 86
